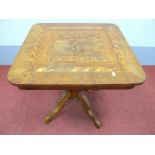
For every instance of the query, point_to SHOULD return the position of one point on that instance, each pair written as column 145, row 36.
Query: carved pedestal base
column 84, row 102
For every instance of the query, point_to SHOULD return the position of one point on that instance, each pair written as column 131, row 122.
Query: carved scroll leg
column 58, row 108
column 87, row 107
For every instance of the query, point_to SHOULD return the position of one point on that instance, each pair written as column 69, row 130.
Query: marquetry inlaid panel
column 76, row 54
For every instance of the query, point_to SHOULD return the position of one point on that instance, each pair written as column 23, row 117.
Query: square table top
column 80, row 56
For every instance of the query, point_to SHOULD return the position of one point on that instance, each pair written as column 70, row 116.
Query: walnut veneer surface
column 75, row 56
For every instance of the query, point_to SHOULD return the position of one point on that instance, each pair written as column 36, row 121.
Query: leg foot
column 58, row 108
column 87, row 107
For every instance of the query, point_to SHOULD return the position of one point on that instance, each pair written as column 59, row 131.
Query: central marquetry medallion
column 78, row 50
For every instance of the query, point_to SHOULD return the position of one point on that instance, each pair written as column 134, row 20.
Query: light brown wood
column 75, row 56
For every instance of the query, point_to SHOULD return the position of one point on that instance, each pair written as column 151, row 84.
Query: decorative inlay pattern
column 76, row 47
column 79, row 50
column 75, row 54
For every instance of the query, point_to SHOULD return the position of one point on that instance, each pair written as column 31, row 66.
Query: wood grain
column 75, row 56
